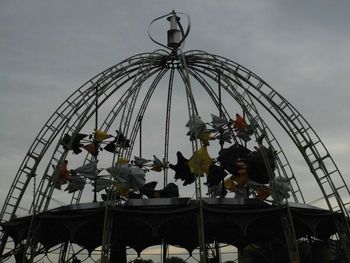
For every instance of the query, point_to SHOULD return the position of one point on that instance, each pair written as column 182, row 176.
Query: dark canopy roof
column 142, row 223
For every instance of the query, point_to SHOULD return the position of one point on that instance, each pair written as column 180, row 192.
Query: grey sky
column 50, row 48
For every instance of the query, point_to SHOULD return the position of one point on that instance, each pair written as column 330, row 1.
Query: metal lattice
column 193, row 72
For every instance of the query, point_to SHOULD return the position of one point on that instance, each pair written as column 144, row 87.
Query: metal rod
column 217, row 249
column 96, row 107
column 140, row 121
column 164, row 251
column 219, row 87
column 95, row 139
column 193, row 112
column 167, row 126
column 221, row 140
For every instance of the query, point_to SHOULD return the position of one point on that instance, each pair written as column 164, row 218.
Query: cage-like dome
column 163, row 114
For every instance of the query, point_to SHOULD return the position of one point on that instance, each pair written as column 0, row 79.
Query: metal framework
column 127, row 88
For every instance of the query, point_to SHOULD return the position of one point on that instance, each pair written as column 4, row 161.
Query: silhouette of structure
column 266, row 211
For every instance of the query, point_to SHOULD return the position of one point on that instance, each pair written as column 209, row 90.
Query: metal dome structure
column 148, row 99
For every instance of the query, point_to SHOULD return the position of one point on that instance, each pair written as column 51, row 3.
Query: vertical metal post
column 167, row 126
column 217, row 248
column 217, row 251
column 96, row 108
column 200, row 222
column 95, row 140
column 63, row 252
column 140, row 121
column 164, row 251
column 220, row 109
column 219, row 87
column 221, row 140
column 31, row 242
column 198, row 188
column 289, row 233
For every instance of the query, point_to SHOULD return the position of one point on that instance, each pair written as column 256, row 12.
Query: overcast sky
column 50, row 48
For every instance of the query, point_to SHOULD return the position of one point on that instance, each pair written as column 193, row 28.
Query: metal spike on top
column 176, row 35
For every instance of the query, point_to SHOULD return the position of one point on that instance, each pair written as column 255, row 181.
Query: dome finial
column 176, row 33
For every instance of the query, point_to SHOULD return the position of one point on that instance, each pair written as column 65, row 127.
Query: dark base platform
column 142, row 223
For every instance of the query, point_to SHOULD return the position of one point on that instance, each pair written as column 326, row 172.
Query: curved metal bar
column 244, row 103
column 301, row 133
column 167, row 127
column 286, row 221
column 48, row 134
column 246, row 88
column 297, row 128
column 47, row 196
column 114, row 113
column 143, row 108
